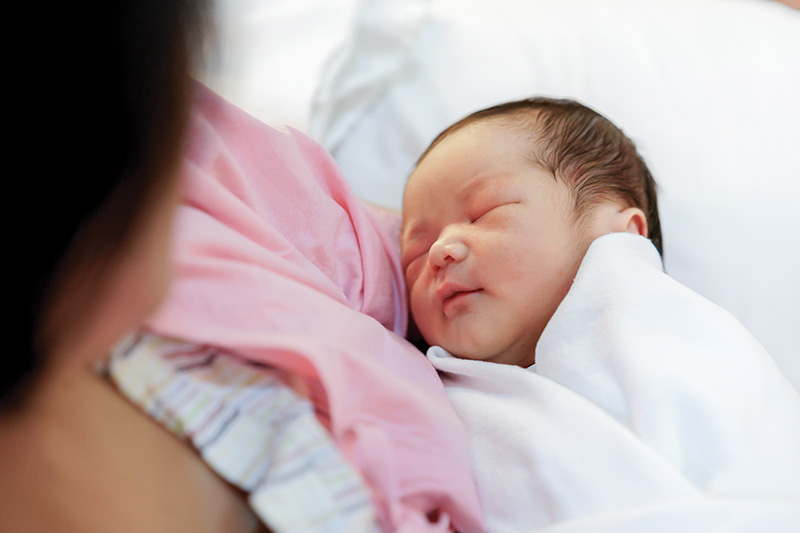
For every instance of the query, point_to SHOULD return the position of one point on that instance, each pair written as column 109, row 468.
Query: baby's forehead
column 520, row 135
column 519, row 122
column 513, row 127
column 509, row 134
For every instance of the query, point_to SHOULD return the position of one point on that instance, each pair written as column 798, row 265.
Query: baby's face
column 489, row 249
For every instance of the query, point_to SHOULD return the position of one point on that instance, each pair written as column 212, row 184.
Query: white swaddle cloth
column 649, row 408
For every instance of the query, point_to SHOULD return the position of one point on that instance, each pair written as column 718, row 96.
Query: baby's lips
column 447, row 293
column 447, row 289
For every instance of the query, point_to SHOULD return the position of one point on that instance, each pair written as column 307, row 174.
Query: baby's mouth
column 458, row 294
column 450, row 295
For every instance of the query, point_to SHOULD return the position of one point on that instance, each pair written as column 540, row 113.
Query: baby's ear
column 632, row 220
column 614, row 217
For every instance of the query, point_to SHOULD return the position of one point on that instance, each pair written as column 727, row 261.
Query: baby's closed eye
column 490, row 210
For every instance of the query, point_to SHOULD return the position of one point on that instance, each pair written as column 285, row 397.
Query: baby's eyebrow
column 473, row 188
column 484, row 182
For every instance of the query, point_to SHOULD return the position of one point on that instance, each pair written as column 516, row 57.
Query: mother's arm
column 81, row 458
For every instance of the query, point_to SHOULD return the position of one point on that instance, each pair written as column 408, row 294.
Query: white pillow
column 267, row 56
column 709, row 90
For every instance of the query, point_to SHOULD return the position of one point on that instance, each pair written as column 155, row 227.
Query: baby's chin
column 478, row 355
column 466, row 339
column 515, row 356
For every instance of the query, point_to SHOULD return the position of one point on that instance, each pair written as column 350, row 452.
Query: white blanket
column 649, row 408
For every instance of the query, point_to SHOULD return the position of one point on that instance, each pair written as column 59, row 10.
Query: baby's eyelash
column 487, row 211
column 480, row 214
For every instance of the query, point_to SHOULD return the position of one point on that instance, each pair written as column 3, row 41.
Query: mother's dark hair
column 108, row 102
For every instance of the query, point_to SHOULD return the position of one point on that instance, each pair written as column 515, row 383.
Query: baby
column 523, row 242
column 498, row 214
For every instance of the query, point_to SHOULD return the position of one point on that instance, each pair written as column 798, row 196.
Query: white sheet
column 270, row 54
column 649, row 409
column 706, row 88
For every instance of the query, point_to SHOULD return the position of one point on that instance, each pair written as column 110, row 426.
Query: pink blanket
column 279, row 262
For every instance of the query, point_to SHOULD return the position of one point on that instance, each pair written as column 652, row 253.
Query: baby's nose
column 447, row 250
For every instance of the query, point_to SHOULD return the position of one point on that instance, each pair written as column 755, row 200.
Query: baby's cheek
column 412, row 272
column 421, row 312
column 415, row 303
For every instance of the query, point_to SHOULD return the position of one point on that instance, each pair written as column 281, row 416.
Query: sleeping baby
column 622, row 400
column 499, row 213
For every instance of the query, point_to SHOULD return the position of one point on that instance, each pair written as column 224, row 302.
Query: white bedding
column 707, row 88
column 270, row 54
column 648, row 409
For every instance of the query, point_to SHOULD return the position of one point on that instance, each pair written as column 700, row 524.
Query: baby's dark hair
column 583, row 149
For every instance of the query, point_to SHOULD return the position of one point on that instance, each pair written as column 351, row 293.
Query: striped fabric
column 250, row 427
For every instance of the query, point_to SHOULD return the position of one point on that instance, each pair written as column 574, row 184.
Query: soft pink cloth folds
column 279, row 262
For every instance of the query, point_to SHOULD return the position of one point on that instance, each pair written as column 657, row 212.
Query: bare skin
column 80, row 458
column 77, row 457
column 791, row 3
